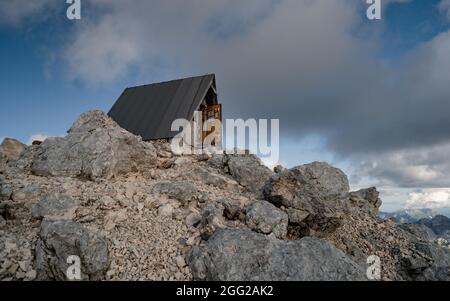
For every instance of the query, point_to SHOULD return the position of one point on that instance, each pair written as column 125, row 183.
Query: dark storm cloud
column 358, row 103
column 303, row 62
column 420, row 167
column 311, row 63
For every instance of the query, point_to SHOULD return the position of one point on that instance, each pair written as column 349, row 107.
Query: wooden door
column 213, row 112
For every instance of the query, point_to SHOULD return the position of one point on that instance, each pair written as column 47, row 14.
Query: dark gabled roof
column 148, row 111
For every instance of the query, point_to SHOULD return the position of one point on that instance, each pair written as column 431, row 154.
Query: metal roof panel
column 149, row 110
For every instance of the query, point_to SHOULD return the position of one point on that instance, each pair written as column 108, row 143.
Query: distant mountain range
column 439, row 224
column 434, row 223
column 411, row 216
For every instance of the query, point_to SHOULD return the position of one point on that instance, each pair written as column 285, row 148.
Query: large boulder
column 95, row 147
column 243, row 255
column 181, row 191
column 55, row 206
column 235, row 208
column 11, row 149
column 315, row 196
column 367, row 200
column 59, row 239
column 24, row 163
column 248, row 171
column 439, row 268
column 263, row 217
column 428, row 261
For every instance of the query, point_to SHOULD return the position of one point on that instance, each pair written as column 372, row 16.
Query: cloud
column 303, row 62
column 429, row 198
column 15, row 12
column 114, row 53
column 271, row 166
column 156, row 37
column 37, row 137
column 324, row 80
column 228, row 22
column 422, row 167
column 444, row 6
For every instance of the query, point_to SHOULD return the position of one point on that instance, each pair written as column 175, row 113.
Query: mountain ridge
column 132, row 210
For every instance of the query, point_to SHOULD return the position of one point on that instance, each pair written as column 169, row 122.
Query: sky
column 370, row 97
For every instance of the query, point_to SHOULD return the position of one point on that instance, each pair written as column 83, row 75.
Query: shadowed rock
column 60, row 239
column 263, row 217
column 367, row 200
column 315, row 196
column 95, row 147
column 55, row 206
column 248, row 171
column 243, row 255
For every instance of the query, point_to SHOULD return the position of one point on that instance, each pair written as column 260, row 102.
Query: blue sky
column 408, row 25
column 53, row 69
column 37, row 95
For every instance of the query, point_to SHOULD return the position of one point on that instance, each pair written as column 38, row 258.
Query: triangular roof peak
column 149, row 110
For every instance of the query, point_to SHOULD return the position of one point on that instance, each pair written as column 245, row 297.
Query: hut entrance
column 212, row 118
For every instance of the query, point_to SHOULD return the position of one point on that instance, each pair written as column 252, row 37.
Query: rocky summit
column 132, row 210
